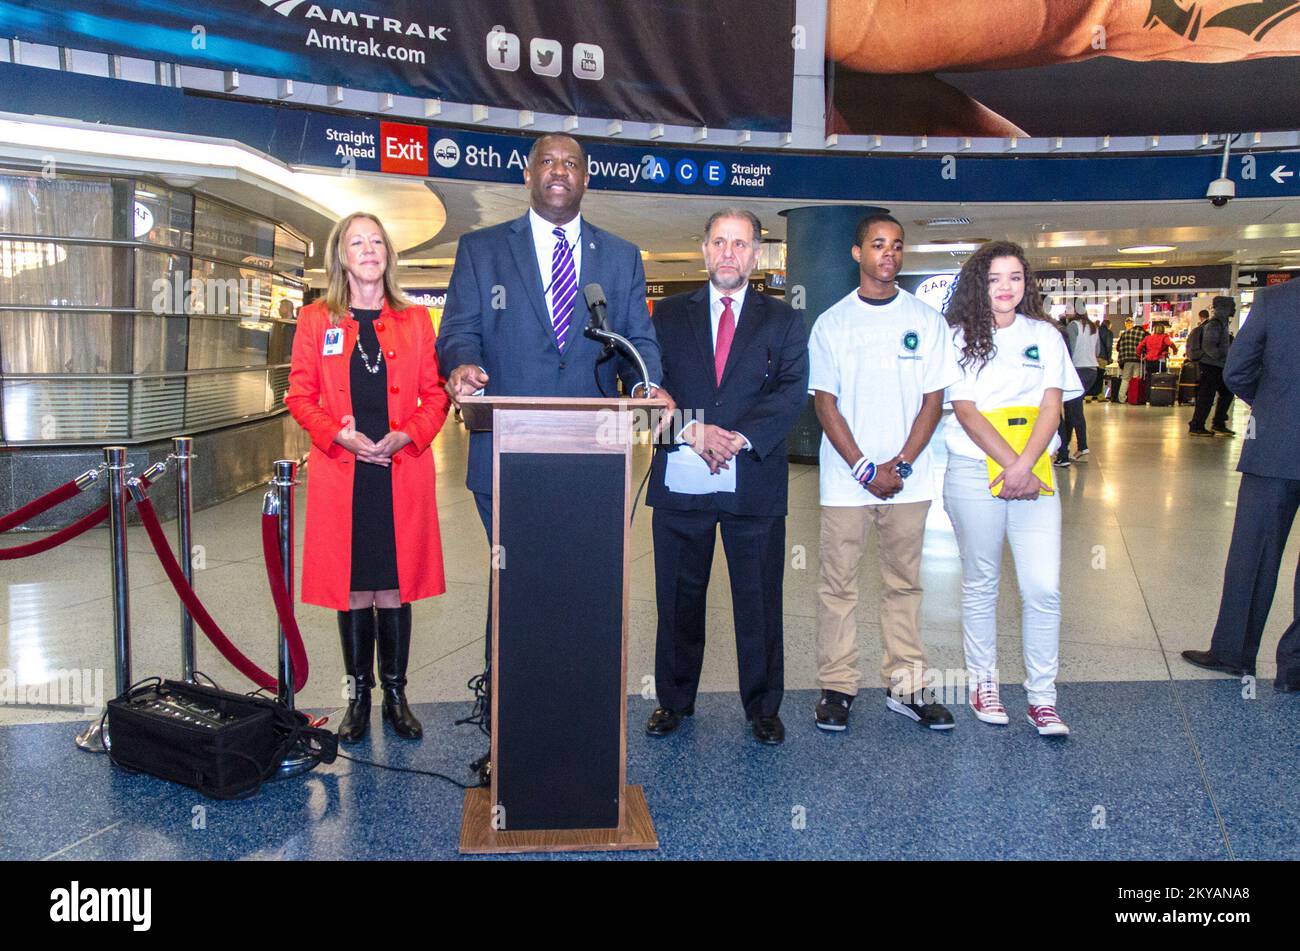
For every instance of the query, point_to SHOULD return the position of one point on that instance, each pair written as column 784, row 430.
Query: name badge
column 333, row 342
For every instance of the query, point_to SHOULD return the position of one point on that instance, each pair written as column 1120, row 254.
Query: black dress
column 374, row 545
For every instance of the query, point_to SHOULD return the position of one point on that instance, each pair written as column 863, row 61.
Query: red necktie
column 726, row 330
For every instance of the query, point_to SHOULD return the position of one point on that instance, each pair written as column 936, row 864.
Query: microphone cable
column 406, row 769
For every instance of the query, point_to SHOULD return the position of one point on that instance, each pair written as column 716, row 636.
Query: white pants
column 981, row 522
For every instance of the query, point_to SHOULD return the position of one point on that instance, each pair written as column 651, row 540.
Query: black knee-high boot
column 357, row 632
column 394, row 651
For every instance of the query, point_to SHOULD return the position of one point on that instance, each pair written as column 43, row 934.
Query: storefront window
column 62, row 205
column 290, row 252
column 160, row 344
column 104, row 335
column 55, row 274
column 163, row 216
column 160, row 282
column 46, row 342
column 225, row 233
column 220, row 288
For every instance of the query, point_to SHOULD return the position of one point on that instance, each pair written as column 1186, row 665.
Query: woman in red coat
column 365, row 384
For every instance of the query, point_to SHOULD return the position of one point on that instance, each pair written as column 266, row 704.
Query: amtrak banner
column 725, row 63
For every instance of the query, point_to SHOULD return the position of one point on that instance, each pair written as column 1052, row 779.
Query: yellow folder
column 1016, row 423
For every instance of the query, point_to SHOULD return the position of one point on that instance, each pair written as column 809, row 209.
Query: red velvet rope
column 200, row 614
column 37, row 506
column 58, row 538
column 66, row 534
column 280, row 595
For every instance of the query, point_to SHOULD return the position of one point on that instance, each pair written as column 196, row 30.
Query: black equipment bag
column 223, row 744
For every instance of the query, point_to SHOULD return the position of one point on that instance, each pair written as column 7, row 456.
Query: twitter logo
column 546, row 57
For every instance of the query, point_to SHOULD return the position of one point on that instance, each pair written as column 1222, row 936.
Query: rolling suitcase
column 1137, row 391
column 1163, row 388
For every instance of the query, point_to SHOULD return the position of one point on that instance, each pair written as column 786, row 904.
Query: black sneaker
column 922, row 708
column 1223, row 431
column 833, row 710
column 1061, row 462
column 1200, row 432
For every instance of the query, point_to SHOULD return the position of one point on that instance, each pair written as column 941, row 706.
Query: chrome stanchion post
column 279, row 501
column 181, row 446
column 94, row 738
column 285, row 470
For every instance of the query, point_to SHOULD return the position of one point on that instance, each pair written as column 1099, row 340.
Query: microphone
column 595, row 295
column 595, row 330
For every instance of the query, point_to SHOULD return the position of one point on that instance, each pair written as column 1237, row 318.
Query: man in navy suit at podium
column 738, row 362
column 515, row 311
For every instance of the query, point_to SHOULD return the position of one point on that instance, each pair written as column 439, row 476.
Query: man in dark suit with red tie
column 737, row 362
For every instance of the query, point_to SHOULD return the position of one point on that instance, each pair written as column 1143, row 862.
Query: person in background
column 1155, row 347
column 1126, row 350
column 1083, row 342
column 1012, row 358
column 880, row 360
column 364, row 382
column 1261, row 370
column 1105, row 355
column 1192, row 353
column 1212, row 349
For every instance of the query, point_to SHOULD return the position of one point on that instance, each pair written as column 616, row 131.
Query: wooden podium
column 561, row 507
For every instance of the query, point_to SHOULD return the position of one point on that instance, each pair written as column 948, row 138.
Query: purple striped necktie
column 564, row 288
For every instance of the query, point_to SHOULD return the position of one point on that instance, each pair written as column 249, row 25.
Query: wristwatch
column 904, row 469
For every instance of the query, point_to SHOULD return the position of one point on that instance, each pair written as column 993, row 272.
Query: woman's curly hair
column 968, row 306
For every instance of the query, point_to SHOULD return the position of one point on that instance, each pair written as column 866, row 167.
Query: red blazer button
column 379, row 325
column 394, row 389
column 392, row 424
column 391, row 354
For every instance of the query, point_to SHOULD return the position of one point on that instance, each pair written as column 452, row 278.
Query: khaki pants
column 1131, row 369
column 901, row 530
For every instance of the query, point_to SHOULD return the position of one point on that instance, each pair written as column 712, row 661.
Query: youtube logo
column 403, row 149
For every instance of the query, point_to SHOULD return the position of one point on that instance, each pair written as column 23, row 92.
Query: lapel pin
column 592, row 245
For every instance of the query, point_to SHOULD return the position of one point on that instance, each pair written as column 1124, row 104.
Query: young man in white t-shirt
column 880, row 360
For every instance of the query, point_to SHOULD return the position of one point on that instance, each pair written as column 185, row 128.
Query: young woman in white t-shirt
column 1012, row 355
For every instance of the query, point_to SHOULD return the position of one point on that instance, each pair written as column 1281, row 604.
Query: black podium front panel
column 560, row 650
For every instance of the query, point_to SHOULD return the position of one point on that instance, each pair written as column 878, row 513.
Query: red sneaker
column 1048, row 722
column 987, row 705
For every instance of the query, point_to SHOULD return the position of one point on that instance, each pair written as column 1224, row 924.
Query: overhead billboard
column 1053, row 67
column 671, row 61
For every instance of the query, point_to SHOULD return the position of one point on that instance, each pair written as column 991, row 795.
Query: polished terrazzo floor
column 1165, row 760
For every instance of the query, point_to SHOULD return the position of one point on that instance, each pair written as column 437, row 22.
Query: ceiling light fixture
column 940, row 247
column 1127, row 263
column 1148, row 249
column 942, row 222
